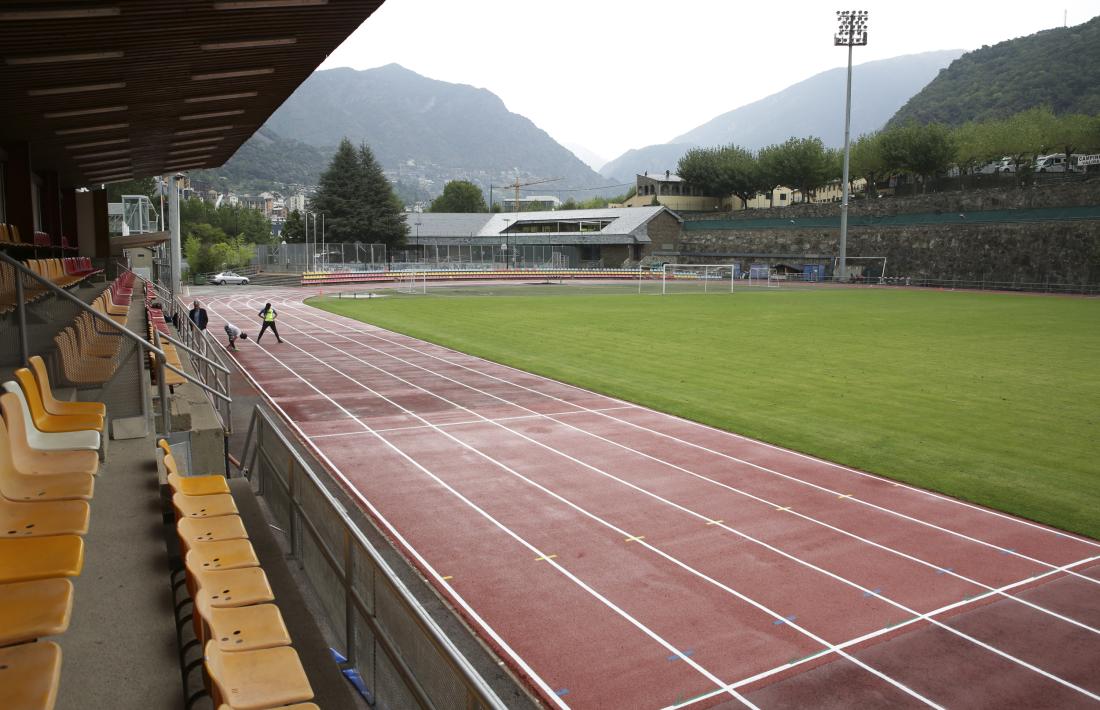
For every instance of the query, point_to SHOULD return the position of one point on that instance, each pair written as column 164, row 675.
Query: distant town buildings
column 670, row 190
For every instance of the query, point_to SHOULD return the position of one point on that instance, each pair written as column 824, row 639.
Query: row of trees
column 923, row 151
column 465, row 196
column 357, row 200
column 224, row 237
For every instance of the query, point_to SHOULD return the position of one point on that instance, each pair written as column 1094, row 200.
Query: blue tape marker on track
column 873, row 592
column 944, row 570
column 561, row 692
column 686, row 652
column 779, row 622
column 1008, row 550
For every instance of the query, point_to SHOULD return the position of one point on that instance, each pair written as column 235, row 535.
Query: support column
column 51, row 207
column 19, row 199
column 101, row 224
column 69, row 227
column 174, row 248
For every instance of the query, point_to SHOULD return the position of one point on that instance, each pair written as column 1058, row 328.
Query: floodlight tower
column 851, row 32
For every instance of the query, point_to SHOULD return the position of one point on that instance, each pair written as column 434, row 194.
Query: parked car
column 1004, row 165
column 228, row 277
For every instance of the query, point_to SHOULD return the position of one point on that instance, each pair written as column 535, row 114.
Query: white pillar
column 175, row 249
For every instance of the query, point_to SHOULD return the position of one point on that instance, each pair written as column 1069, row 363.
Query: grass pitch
column 988, row 397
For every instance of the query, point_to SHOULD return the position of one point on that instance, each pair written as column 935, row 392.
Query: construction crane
column 517, row 185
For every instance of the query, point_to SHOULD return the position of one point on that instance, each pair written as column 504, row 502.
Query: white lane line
column 505, row 529
column 772, row 614
column 810, row 565
column 373, row 330
column 882, row 632
column 536, row 415
column 759, row 467
column 397, row 535
column 931, row 565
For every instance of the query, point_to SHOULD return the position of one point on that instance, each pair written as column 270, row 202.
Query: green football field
column 993, row 398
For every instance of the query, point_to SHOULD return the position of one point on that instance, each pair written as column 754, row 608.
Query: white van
column 1004, row 165
column 1056, row 163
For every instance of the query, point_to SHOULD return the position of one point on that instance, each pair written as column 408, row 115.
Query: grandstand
column 139, row 567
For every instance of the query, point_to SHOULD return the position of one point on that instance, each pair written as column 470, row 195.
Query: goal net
column 410, row 281
column 865, row 269
column 697, row 278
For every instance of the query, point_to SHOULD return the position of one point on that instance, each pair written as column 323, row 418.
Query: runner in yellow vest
column 268, row 315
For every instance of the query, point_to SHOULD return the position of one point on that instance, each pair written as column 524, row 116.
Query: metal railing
column 403, row 657
column 206, row 356
column 161, row 362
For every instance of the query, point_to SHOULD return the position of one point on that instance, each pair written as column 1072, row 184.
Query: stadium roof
column 624, row 225
column 103, row 90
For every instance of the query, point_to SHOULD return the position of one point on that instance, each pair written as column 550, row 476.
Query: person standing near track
column 268, row 315
column 233, row 332
column 198, row 315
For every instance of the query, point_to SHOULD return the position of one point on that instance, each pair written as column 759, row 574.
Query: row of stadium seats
column 61, row 272
column 48, row 466
column 155, row 316
column 248, row 656
column 90, row 351
column 10, row 237
column 312, row 278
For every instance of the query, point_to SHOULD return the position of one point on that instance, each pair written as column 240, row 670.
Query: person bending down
column 233, row 332
column 268, row 315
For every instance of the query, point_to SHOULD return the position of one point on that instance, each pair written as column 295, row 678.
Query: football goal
column 697, row 278
column 410, row 281
column 861, row 268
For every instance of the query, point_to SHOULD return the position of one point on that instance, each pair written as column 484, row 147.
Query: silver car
column 228, row 277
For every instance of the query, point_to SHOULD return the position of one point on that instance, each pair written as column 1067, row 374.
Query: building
column 672, row 191
column 296, row 202
column 531, row 202
column 564, row 238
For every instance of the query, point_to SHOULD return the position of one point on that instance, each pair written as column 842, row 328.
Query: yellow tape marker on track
column 715, row 522
column 787, row 508
column 545, row 557
column 448, row 578
column 634, row 538
column 846, row 495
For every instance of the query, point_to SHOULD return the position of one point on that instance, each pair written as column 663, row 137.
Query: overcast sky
column 610, row 75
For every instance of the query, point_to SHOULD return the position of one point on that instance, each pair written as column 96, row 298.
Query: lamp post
column 851, row 32
column 416, row 244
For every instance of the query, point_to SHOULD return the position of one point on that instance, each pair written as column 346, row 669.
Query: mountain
column 268, row 160
column 588, row 157
column 1059, row 68
column 811, row 107
column 424, row 129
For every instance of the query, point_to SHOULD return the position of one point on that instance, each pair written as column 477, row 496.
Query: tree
column 921, row 150
column 729, row 170
column 294, row 229
column 866, row 161
column 802, row 163
column 358, row 202
column 459, row 196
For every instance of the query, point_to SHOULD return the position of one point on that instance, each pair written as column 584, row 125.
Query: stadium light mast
column 851, row 32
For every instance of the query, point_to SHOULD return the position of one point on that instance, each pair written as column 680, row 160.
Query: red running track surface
column 617, row 557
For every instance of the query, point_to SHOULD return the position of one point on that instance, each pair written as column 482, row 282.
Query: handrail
column 479, row 694
column 196, row 353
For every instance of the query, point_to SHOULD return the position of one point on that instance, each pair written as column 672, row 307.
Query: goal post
column 412, row 282
column 698, row 278
column 870, row 268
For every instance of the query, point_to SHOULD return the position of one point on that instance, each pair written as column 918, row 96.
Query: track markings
column 635, row 538
column 715, row 522
column 681, row 655
column 784, row 620
column 545, row 558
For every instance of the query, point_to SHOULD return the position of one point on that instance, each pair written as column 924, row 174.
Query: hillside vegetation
column 1059, row 68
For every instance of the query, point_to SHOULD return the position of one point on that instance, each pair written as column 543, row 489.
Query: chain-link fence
column 296, row 258
column 403, row 657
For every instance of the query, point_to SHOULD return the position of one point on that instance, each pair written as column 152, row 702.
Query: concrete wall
column 664, row 234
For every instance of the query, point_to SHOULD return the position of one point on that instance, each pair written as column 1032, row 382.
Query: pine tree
column 339, row 196
column 383, row 214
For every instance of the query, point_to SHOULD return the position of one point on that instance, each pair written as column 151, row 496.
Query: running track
column 617, row 557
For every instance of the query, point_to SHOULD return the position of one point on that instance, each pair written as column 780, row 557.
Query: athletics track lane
column 544, row 473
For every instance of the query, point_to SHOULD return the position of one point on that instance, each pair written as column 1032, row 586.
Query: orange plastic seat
column 203, row 506
column 30, row 461
column 193, row 485
column 59, row 517
column 18, row 486
column 56, row 406
column 32, row 558
column 257, row 679
column 242, row 628
column 232, row 587
column 29, row 676
column 31, row 610
column 221, row 554
column 223, row 527
column 47, row 422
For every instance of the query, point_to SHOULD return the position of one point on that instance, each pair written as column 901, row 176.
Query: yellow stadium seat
column 203, row 506
column 31, row 610
column 232, row 587
column 47, row 422
column 242, row 628
column 39, row 487
column 59, row 517
column 34, row 461
column 221, row 554
column 29, row 675
column 257, row 679
column 56, row 406
column 223, row 527
column 32, row 558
